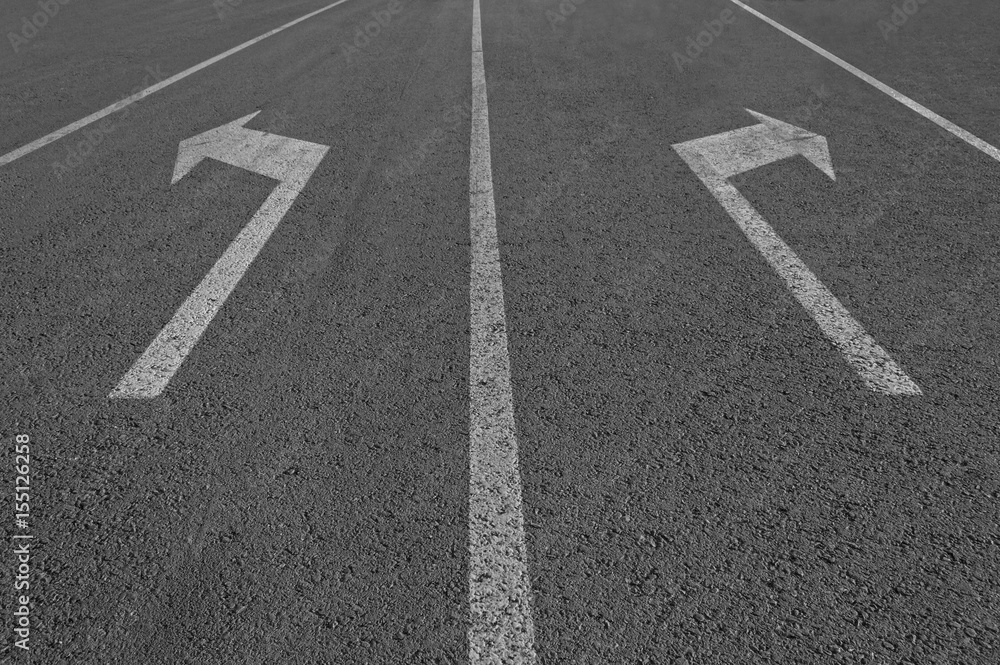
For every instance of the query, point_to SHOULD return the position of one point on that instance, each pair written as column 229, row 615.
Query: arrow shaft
column 164, row 356
column 872, row 363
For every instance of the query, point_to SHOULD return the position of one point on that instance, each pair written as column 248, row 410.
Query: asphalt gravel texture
column 705, row 480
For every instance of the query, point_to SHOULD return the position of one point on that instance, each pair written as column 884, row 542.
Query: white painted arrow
column 289, row 161
column 751, row 147
column 716, row 158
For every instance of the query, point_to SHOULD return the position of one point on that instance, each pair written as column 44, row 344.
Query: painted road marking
column 501, row 629
column 119, row 105
column 944, row 123
column 289, row 161
column 716, row 158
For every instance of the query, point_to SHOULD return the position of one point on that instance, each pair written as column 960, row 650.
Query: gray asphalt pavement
column 704, row 478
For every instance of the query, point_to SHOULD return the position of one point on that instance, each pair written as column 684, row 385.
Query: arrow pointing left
column 289, row 161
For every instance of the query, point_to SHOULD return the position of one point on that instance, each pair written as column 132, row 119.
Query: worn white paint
column 501, row 629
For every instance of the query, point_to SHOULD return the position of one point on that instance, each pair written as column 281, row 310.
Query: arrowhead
column 195, row 149
column 811, row 146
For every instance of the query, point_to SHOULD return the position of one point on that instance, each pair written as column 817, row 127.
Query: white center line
column 944, row 123
column 119, row 105
column 501, row 629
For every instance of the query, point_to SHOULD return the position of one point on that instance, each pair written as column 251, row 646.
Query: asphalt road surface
column 504, row 331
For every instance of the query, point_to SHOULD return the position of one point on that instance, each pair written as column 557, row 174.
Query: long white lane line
column 119, row 105
column 501, row 629
column 944, row 123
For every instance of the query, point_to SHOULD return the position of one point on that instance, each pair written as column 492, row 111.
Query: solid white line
column 119, row 105
column 944, row 123
column 872, row 363
column 501, row 629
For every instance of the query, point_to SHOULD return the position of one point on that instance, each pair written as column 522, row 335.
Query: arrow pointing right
column 748, row 148
column 714, row 159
